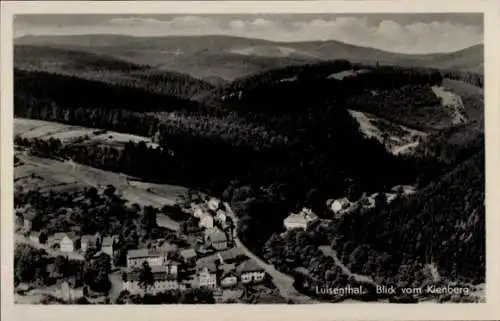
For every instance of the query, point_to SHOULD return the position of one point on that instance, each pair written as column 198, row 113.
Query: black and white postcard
column 238, row 159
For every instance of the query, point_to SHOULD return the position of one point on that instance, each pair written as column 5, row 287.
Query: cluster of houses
column 218, row 229
column 68, row 242
column 341, row 206
column 164, row 269
column 226, row 269
column 214, row 263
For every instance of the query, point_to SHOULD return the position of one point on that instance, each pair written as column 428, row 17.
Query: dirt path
column 362, row 279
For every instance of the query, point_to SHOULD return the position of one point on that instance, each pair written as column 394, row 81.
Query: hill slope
column 104, row 68
column 233, row 57
column 441, row 224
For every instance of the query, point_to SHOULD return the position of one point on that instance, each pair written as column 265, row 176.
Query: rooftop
column 86, row 238
column 157, row 275
column 107, row 241
column 249, row 266
column 215, row 235
column 210, row 265
column 58, row 236
column 188, row 253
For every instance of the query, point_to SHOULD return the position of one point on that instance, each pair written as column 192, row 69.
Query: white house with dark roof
column 250, row 272
column 164, row 280
column 207, row 274
column 135, row 258
column 300, row 220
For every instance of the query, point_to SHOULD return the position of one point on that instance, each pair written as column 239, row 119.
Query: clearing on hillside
column 33, row 128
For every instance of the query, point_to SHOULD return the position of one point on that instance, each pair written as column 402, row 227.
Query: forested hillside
column 107, row 69
column 443, row 224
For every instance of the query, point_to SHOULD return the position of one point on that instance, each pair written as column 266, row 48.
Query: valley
column 126, row 137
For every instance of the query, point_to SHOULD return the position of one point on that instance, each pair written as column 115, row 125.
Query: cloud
column 414, row 37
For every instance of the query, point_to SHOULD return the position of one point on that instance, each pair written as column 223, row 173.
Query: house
column 70, row 242
column 163, row 281
column 207, row 274
column 135, row 258
column 215, row 238
column 107, row 245
column 235, row 254
column 87, row 241
column 206, row 221
column 188, row 256
column 228, row 276
column 250, row 272
column 300, row 220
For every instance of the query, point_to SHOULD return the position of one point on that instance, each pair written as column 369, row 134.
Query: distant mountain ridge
column 232, row 57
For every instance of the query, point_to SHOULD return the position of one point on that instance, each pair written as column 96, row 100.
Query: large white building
column 163, row 281
column 300, row 220
column 135, row 258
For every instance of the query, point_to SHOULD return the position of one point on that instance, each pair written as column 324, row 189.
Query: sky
column 404, row 33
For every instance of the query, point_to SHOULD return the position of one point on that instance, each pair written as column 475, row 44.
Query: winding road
column 283, row 282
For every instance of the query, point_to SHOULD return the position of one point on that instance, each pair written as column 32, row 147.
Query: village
column 215, row 263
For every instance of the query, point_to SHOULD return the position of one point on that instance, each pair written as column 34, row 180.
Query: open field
column 33, row 128
column 47, row 174
column 396, row 138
